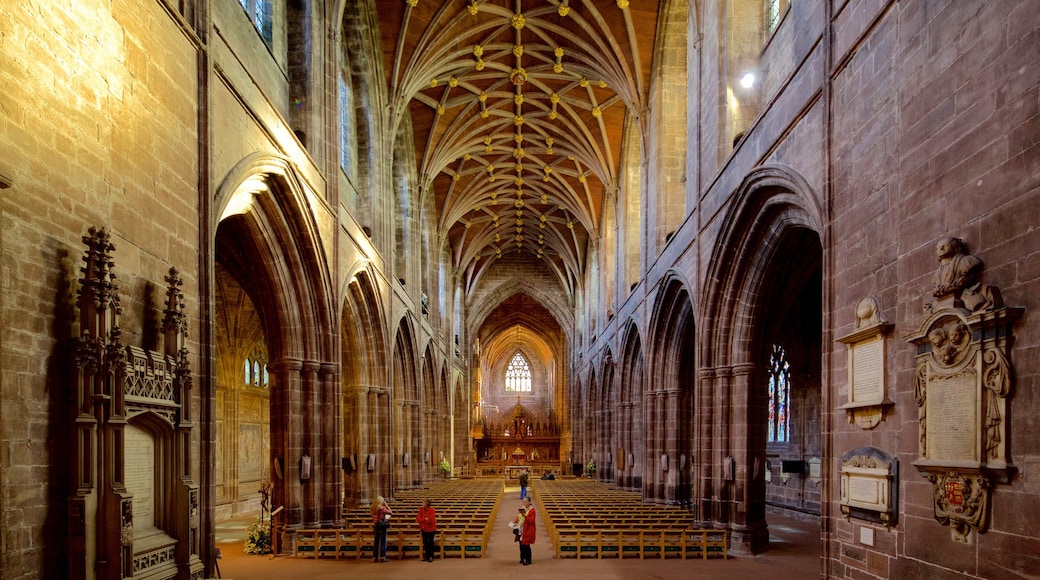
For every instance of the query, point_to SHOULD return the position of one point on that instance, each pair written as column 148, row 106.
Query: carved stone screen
column 140, row 475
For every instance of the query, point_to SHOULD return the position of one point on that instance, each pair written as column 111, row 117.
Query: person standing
column 518, row 525
column 523, row 483
column 527, row 534
column 380, row 523
column 427, row 518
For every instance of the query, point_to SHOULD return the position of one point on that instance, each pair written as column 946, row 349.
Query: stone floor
column 794, row 554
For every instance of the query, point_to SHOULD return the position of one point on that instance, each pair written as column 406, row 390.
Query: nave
column 793, row 554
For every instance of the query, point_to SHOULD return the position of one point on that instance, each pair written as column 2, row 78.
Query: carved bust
column 956, row 280
column 957, row 269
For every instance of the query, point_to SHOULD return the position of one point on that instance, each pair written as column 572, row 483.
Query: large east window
column 518, row 374
column 779, row 396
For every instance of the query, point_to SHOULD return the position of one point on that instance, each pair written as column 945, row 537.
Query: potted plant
column 445, row 468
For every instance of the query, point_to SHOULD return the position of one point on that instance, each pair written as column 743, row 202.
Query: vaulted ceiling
column 518, row 110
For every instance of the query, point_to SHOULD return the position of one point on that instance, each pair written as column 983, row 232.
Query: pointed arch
column 630, row 408
column 606, row 408
column 774, row 219
column 268, row 238
column 670, row 418
column 405, row 411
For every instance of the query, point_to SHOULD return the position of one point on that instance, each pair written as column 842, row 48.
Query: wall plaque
column 869, row 485
column 962, row 382
column 866, row 351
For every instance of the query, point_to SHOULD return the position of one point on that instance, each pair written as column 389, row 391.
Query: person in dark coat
column 523, row 484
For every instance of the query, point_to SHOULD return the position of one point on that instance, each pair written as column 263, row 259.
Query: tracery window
column 255, row 372
column 518, row 374
column 259, row 12
column 779, row 396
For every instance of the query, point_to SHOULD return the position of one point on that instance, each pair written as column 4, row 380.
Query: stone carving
column 869, row 485
column 956, row 279
column 961, row 501
column 867, row 357
column 868, row 313
column 962, row 380
column 996, row 375
column 127, row 522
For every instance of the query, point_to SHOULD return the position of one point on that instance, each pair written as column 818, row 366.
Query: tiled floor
column 794, row 554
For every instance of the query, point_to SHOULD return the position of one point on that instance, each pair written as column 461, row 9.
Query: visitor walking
column 523, row 483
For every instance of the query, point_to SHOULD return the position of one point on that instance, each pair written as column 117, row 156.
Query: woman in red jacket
column 427, row 519
column 527, row 534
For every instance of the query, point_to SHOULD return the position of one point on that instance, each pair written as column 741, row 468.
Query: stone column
column 287, row 439
column 330, row 444
column 310, row 410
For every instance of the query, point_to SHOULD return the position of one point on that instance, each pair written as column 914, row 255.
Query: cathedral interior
column 740, row 257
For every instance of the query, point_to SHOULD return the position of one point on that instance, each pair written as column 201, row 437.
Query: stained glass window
column 518, row 374
column 779, row 396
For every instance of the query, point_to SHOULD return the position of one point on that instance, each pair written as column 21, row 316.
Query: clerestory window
column 779, row 396
column 518, row 374
column 774, row 12
column 259, row 12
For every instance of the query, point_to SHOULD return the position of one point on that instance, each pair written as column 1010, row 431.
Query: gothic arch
column 669, row 401
column 267, row 237
column 769, row 202
column 773, row 209
column 630, row 409
column 405, row 411
column 480, row 310
column 606, row 409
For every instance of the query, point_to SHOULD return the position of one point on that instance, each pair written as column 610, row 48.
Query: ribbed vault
column 517, row 109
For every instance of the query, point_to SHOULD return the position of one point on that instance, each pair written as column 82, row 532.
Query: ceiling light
column 748, row 80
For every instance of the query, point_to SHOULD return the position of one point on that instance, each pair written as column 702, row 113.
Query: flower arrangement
column 445, row 467
column 258, row 538
column 591, row 468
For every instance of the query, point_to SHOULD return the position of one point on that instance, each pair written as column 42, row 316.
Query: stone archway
column 630, row 414
column 670, row 410
column 268, row 239
column 364, row 354
column 773, row 210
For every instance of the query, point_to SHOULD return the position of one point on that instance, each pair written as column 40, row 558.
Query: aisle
column 502, row 547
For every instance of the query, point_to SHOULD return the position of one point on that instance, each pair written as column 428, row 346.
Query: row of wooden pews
column 587, row 519
column 466, row 510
